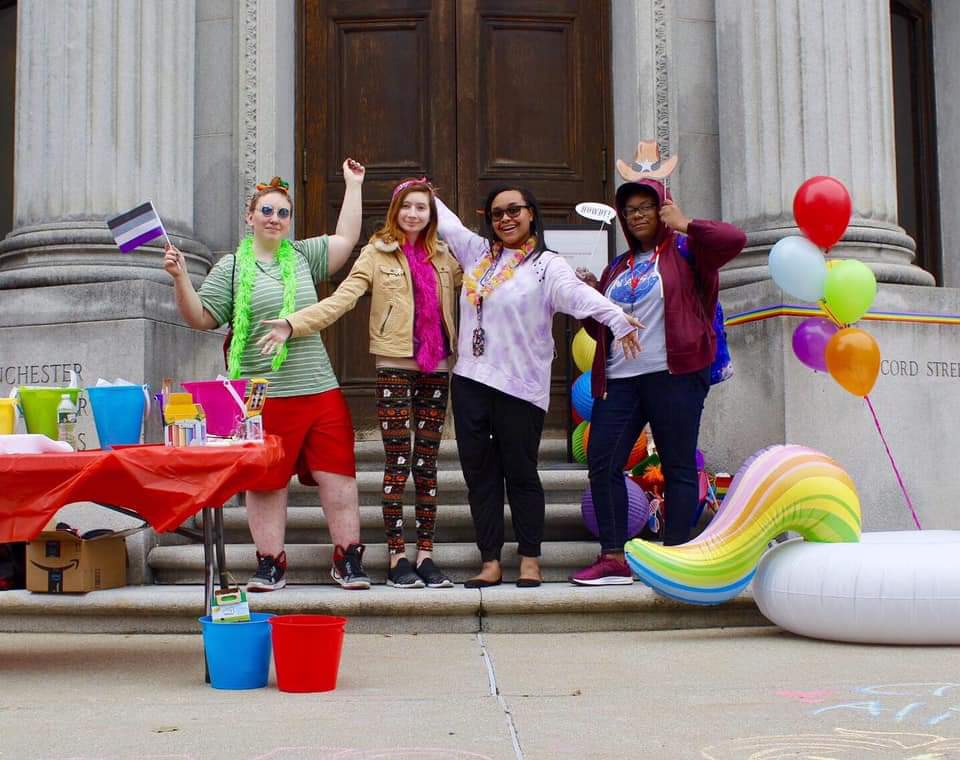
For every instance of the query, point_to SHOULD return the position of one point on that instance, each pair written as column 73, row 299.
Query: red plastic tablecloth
column 163, row 485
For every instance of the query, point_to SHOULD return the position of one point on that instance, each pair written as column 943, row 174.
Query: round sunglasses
column 267, row 210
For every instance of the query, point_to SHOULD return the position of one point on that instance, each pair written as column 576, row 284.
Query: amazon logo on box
column 62, row 562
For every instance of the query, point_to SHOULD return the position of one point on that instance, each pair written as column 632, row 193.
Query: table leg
column 207, row 573
column 221, row 550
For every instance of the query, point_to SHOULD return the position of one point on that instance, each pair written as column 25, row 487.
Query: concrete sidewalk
column 722, row 694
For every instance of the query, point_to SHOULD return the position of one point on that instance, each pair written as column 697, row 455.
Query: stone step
column 308, row 525
column 552, row 608
column 560, row 483
column 310, row 563
column 369, row 454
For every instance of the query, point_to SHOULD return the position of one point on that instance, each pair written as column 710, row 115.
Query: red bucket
column 306, row 651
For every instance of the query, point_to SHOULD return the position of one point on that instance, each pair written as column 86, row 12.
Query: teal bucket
column 118, row 412
column 238, row 654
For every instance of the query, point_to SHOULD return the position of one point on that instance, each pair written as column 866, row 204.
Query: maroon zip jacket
column 689, row 305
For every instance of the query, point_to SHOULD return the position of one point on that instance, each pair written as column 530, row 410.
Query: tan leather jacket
column 382, row 269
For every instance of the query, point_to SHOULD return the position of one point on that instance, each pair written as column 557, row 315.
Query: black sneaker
column 270, row 573
column 402, row 575
column 347, row 567
column 432, row 575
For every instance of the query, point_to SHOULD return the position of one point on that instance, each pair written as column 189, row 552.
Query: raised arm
column 344, row 240
column 712, row 244
column 187, row 298
column 466, row 245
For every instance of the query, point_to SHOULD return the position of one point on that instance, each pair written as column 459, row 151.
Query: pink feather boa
column 428, row 344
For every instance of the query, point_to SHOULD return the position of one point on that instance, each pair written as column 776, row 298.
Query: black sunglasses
column 513, row 211
column 267, row 211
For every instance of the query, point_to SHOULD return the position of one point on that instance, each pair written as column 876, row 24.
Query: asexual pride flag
column 136, row 227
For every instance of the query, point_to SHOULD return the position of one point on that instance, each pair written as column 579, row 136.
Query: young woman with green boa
column 270, row 277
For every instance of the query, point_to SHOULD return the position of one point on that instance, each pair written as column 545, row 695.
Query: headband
column 275, row 184
column 408, row 182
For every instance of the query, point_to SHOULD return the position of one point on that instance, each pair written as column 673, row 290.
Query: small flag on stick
column 136, row 227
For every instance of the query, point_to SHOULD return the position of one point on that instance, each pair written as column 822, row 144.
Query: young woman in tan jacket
column 412, row 279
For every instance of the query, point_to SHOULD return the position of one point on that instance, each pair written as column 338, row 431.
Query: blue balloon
column 798, row 266
column 582, row 399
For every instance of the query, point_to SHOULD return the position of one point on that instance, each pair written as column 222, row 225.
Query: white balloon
column 599, row 212
column 798, row 266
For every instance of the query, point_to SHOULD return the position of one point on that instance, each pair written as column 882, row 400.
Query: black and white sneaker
column 347, row 567
column 432, row 575
column 401, row 575
column 271, row 572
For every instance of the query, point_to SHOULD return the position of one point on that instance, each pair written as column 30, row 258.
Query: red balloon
column 822, row 208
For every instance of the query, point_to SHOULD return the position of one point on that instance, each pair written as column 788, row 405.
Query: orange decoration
column 853, row 360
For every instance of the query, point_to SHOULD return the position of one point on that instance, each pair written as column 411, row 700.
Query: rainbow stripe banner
column 806, row 310
column 779, row 489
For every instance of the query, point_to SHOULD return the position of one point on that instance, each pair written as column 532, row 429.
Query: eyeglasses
column 267, row 210
column 646, row 210
column 513, row 211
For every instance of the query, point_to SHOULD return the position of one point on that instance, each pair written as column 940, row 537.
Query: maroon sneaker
column 606, row 571
column 270, row 573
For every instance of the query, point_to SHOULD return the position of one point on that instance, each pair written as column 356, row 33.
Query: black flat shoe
column 481, row 583
column 528, row 582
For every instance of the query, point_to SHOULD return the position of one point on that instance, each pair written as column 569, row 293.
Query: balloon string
column 826, row 310
column 903, row 488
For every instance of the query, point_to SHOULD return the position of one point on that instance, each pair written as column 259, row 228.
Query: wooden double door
column 472, row 94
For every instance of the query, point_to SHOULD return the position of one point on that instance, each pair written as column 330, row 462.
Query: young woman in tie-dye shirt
column 512, row 287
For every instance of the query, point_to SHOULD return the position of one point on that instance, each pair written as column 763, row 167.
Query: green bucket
column 40, row 408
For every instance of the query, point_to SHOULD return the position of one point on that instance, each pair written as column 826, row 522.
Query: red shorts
column 317, row 434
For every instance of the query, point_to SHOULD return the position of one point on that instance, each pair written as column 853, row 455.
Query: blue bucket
column 118, row 412
column 238, row 654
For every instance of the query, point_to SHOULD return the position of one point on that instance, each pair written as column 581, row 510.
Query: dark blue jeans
column 672, row 404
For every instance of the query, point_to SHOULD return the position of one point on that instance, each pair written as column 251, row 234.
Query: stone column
column 804, row 89
column 104, row 122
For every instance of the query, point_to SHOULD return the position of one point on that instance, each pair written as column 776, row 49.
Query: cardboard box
column 58, row 562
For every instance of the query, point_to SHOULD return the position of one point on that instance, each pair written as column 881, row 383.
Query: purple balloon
column 810, row 341
column 638, row 510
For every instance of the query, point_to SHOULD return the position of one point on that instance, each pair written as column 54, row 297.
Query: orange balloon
column 853, row 360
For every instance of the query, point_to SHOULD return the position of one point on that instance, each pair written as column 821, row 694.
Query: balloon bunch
column 844, row 288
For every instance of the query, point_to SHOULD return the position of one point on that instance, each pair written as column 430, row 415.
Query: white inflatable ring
column 891, row 588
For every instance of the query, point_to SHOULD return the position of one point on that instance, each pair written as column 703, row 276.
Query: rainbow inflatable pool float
column 780, row 488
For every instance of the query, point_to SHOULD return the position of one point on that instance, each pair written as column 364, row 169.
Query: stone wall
column 946, row 36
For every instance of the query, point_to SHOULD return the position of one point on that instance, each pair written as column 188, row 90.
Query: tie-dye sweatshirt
column 518, row 316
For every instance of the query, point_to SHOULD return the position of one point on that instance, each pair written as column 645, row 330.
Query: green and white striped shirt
column 307, row 368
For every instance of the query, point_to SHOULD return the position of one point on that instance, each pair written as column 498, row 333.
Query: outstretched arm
column 316, row 317
column 569, row 295
column 344, row 240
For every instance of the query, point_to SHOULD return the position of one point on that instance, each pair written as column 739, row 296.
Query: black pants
column 672, row 404
column 498, row 439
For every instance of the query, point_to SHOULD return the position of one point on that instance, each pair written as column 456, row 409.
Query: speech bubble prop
column 598, row 212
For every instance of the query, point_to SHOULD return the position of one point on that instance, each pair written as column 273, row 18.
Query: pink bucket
column 223, row 414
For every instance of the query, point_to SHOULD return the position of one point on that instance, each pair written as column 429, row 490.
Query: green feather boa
column 243, row 297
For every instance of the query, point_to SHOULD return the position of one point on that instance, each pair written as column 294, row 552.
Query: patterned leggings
column 396, row 388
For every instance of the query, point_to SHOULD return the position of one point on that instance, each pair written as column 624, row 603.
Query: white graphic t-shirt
column 638, row 290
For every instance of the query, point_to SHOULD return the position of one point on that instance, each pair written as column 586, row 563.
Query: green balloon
column 849, row 290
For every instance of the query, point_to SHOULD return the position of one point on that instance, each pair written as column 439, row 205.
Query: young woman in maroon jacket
column 668, row 279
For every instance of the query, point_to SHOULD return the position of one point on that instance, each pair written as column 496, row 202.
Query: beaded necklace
column 478, row 283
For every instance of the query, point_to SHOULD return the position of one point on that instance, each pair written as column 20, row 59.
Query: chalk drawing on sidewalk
column 918, row 702
column 841, row 744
